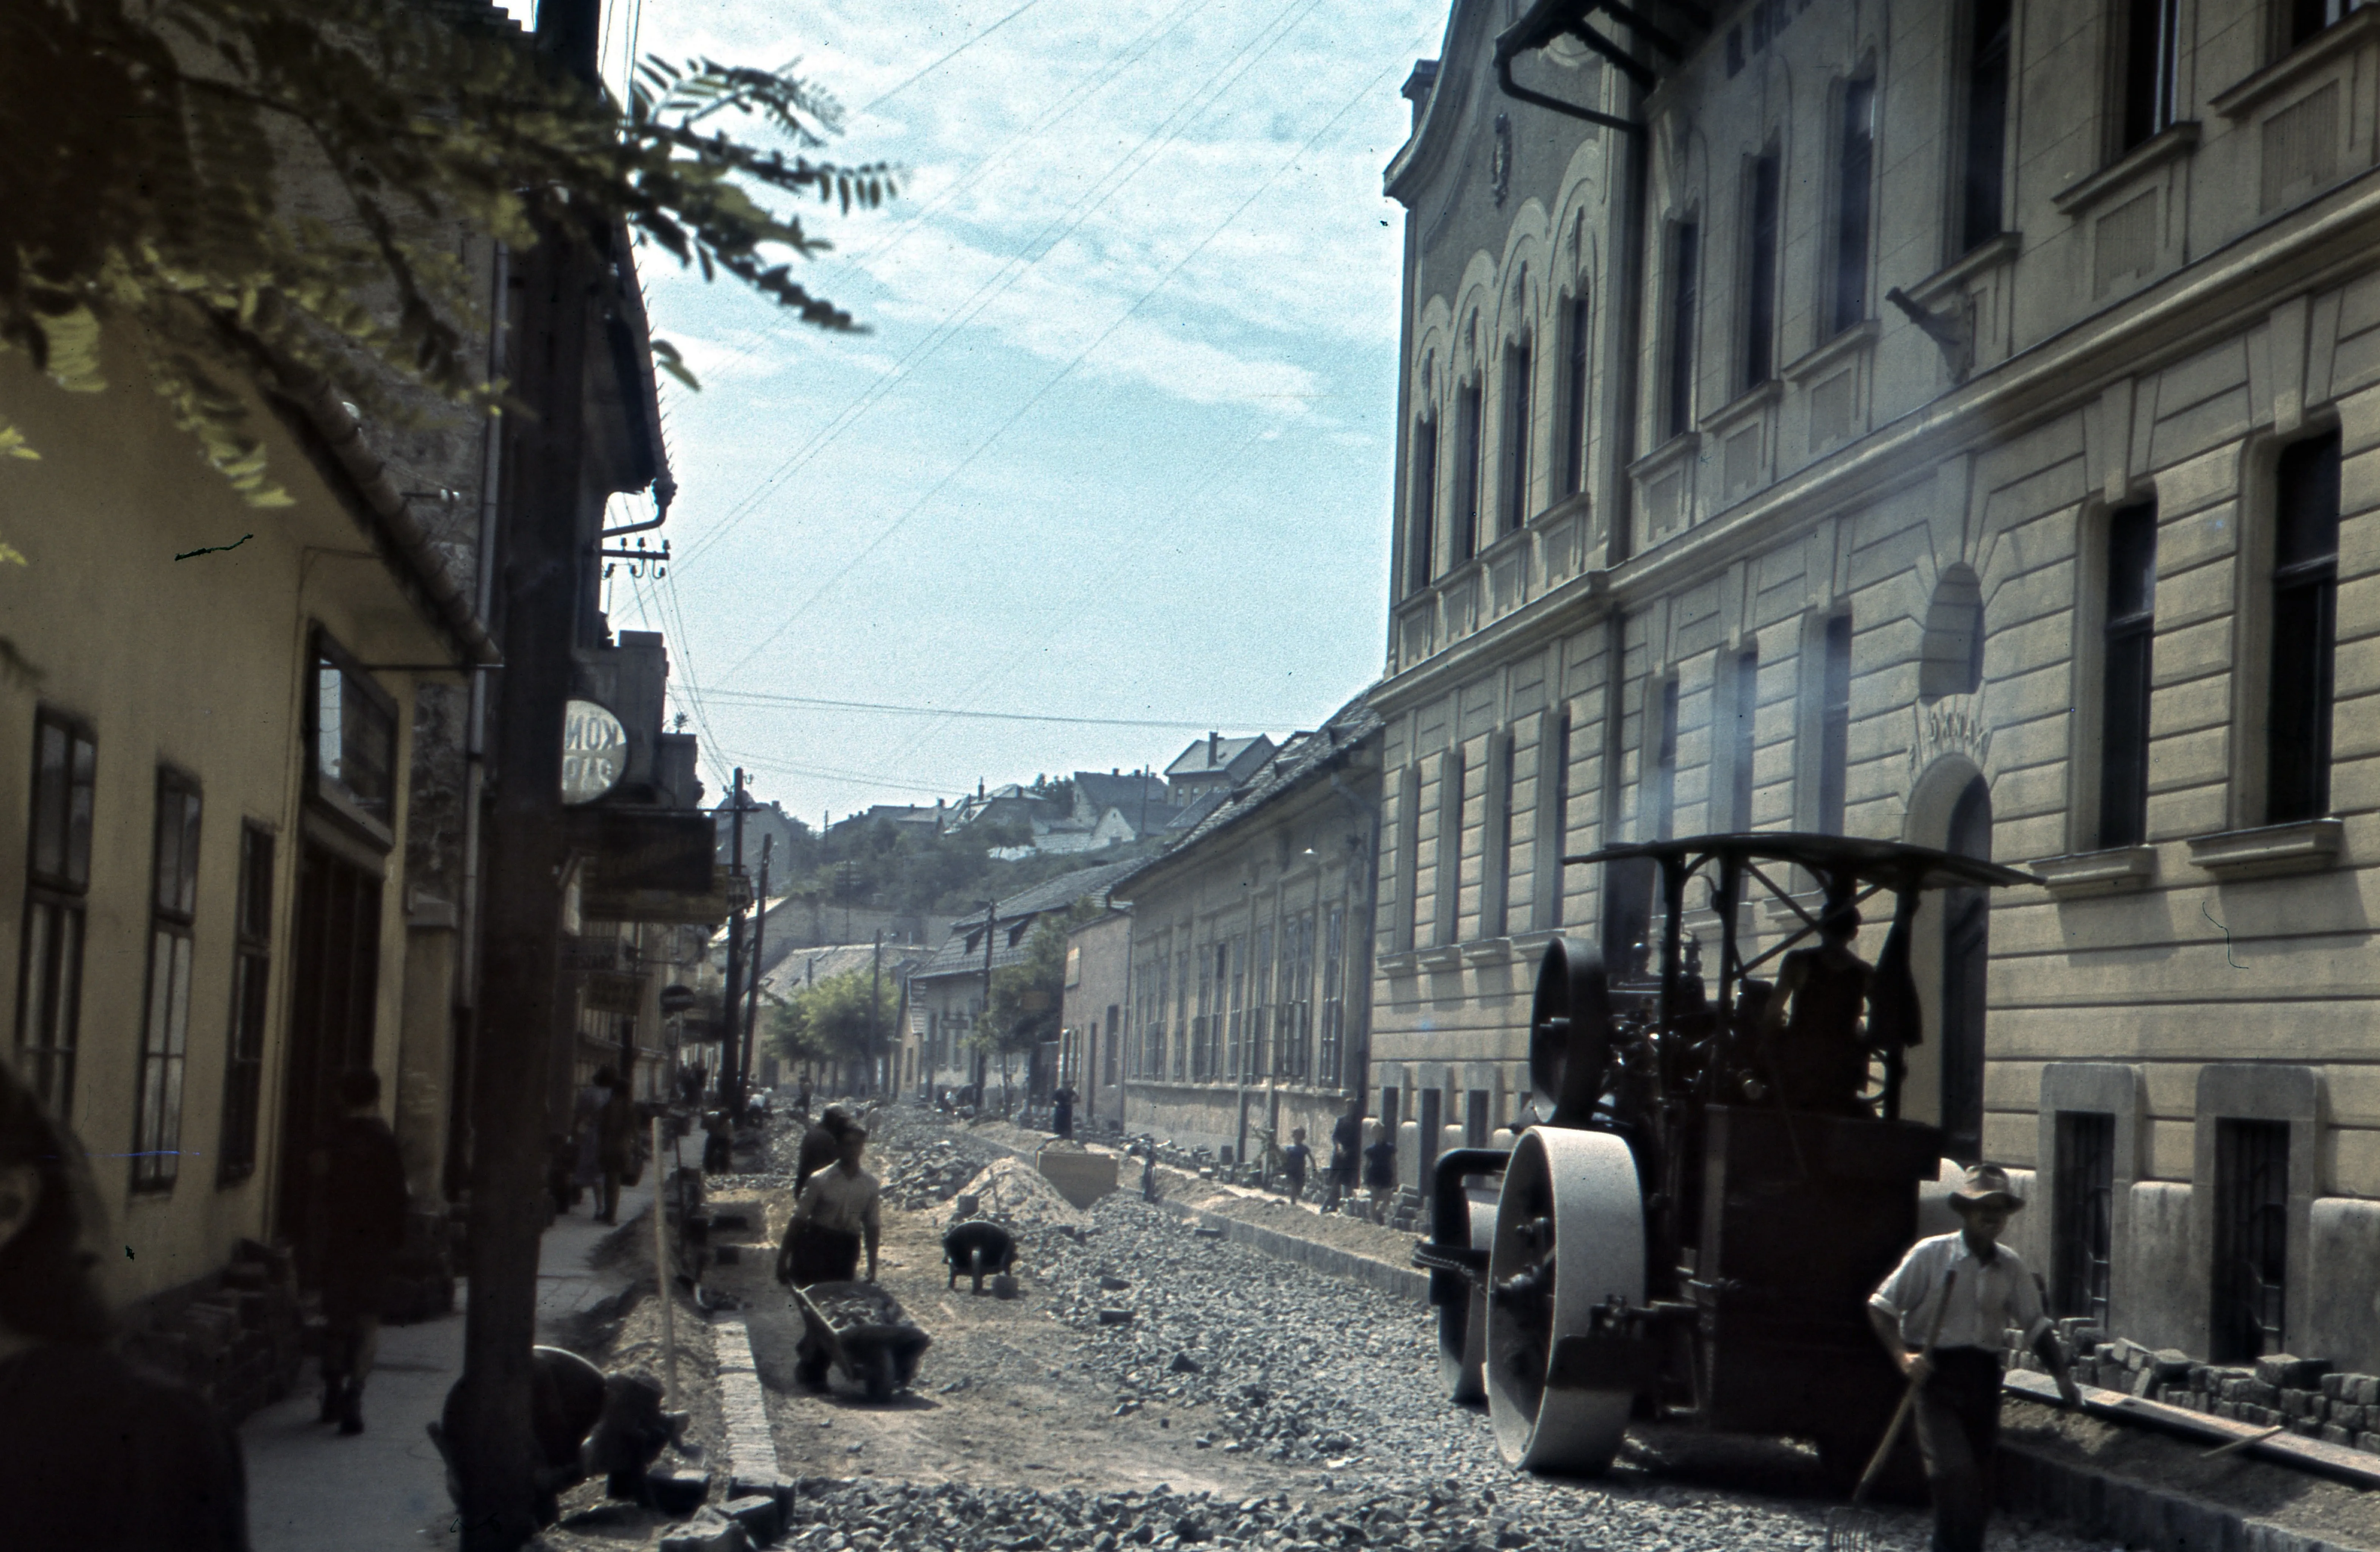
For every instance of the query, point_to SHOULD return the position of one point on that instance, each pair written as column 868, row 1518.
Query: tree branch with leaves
column 257, row 191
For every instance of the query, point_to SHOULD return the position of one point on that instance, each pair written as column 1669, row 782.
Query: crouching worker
column 1988, row 1291
column 840, row 1209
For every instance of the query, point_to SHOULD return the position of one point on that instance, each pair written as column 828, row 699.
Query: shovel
column 1853, row 1528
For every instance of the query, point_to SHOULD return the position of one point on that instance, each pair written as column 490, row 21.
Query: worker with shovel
column 1942, row 1314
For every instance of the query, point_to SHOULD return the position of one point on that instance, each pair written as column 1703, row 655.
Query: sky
column 1118, row 444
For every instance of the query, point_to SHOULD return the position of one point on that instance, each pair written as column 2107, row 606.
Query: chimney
column 1214, row 749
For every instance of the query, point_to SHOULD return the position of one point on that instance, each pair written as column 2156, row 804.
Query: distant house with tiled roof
column 945, row 993
column 1216, row 764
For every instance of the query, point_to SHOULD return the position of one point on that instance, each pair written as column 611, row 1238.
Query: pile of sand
column 1015, row 1194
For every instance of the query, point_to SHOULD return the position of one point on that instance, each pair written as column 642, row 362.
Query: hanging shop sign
column 594, row 751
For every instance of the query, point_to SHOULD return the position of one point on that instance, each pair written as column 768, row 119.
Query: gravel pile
column 1016, row 1194
column 928, row 1175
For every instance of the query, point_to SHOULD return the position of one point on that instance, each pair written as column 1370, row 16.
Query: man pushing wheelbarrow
column 846, row 1324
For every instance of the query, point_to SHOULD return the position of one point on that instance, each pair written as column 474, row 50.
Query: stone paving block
column 764, row 1518
column 710, row 1532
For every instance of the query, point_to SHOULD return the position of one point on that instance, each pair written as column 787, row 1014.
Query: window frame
column 2317, row 577
column 1846, row 303
column 2144, row 102
column 1968, row 158
column 1422, row 503
column 1662, row 703
column 1744, row 705
column 1578, row 321
column 1763, row 230
column 175, row 836
column 59, row 897
column 1831, row 754
column 1519, row 417
column 1554, row 733
column 2083, row 1211
column 1496, row 839
column 1470, row 453
column 1681, row 312
column 251, row 1013
column 374, row 817
column 1453, row 780
column 2119, row 637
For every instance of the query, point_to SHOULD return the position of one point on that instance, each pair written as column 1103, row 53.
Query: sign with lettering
column 594, row 751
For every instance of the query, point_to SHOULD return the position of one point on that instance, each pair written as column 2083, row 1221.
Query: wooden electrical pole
column 543, row 554
column 728, row 1063
column 752, row 1015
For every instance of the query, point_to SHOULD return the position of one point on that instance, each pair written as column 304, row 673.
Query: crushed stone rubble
column 1015, row 1195
column 1286, row 1365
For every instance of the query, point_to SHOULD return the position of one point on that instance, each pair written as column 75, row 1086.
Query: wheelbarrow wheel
column 877, row 1373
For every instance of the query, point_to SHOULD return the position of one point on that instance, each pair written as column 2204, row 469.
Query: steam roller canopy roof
column 1889, row 863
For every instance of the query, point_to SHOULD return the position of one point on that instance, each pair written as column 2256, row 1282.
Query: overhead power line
column 755, row 697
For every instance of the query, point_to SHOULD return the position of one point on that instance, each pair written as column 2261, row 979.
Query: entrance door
column 335, row 983
column 1966, row 951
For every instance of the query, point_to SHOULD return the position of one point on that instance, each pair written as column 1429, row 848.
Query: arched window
column 1952, row 658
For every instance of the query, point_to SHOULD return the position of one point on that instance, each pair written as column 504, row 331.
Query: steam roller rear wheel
column 1462, row 1323
column 1570, row 1233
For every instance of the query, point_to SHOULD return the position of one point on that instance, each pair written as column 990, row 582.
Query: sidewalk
column 385, row 1490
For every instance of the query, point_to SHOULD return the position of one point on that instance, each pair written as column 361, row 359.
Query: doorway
column 1966, row 958
column 333, row 986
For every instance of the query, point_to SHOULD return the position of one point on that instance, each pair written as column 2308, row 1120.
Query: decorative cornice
column 1860, row 337
column 2084, row 874
column 2306, row 846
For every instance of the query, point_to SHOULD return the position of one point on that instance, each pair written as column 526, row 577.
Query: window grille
column 2251, row 1238
column 2083, row 1213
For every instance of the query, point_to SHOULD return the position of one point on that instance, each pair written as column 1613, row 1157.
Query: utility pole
column 752, row 1014
column 875, row 1005
column 983, row 1050
column 735, row 995
column 544, row 554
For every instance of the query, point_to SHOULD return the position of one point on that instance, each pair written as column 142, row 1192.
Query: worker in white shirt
column 1957, row 1410
column 842, row 1207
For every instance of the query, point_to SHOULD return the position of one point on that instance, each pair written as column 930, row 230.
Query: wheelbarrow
column 861, row 1330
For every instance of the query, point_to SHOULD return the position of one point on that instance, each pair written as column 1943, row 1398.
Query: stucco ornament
column 1500, row 160
column 1953, row 725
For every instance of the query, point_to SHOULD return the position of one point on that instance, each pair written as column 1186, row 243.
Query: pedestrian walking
column 1062, row 1113
column 1346, row 1145
column 587, row 1135
column 361, row 1177
column 1293, row 1160
column 839, row 1213
column 1379, row 1169
column 802, row 1100
column 1988, row 1292
column 615, row 1129
column 718, row 1144
column 822, row 1145
column 93, row 1453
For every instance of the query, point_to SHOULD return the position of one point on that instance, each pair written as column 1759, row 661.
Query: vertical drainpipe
column 464, row 1017
column 1626, row 340
column 1364, row 873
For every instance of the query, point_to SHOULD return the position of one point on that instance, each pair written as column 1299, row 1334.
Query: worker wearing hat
column 1978, row 1289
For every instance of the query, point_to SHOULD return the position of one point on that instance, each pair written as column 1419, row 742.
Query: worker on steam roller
column 1964, row 1292
column 1809, row 1030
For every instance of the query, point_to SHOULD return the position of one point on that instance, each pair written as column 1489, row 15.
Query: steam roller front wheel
column 1570, row 1233
column 1462, row 1322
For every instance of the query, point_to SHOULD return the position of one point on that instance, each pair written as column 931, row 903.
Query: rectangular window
column 1182, row 1031
column 1496, row 844
column 1760, row 273
column 1685, row 244
column 1260, row 1007
column 1981, row 199
column 1520, row 366
column 57, row 880
column 2151, row 70
column 1574, row 393
column 2305, row 609
column 1452, row 774
column 2307, row 17
column 1468, row 451
column 1422, row 562
column 1553, row 821
column 1834, row 725
column 165, row 1029
column 2124, row 670
column 1327, row 1069
column 1296, row 1035
column 1210, row 1008
column 2083, row 1222
column 1745, row 697
column 1408, row 921
column 1855, row 187
column 252, row 973
column 1475, row 1121
column 1388, row 1109
column 353, row 726
column 1235, row 1055
column 1664, row 794
column 2251, row 1238
column 1114, row 1030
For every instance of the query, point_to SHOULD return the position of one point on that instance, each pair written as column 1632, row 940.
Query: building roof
column 953, row 958
column 1305, row 757
column 1101, row 791
column 800, row 967
column 1215, row 757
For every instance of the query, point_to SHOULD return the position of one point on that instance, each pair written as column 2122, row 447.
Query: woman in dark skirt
column 95, row 1456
